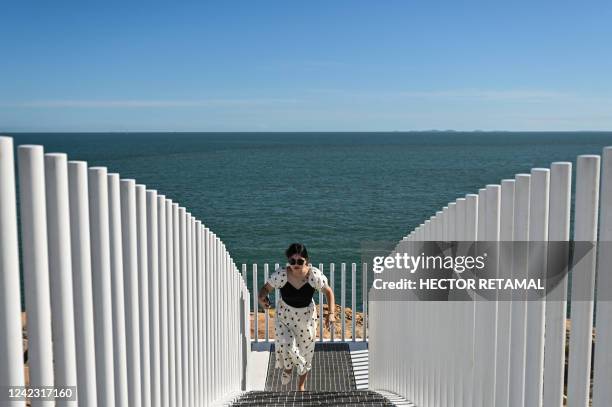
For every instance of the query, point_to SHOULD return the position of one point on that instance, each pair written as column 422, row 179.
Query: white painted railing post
column 459, row 346
column 118, row 291
column 446, row 383
column 538, row 232
column 266, row 327
column 343, row 299
column 255, row 305
column 209, row 315
column 194, row 306
column 583, row 281
column 556, row 298
column 153, row 290
column 184, row 354
column 178, row 315
column 35, row 266
column 504, row 311
column 60, row 272
column 170, row 271
column 188, row 309
column 143, row 294
column 82, row 283
column 221, row 322
column 353, row 301
column 519, row 304
column 100, row 269
column 492, row 217
column 321, row 327
column 276, row 290
column 332, row 307
column 364, row 295
column 469, row 234
column 130, row 276
column 164, row 362
column 200, row 352
column 479, row 345
column 214, row 328
column 11, row 346
column 602, row 391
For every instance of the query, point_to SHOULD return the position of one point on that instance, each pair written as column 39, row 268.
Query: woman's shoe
column 285, row 378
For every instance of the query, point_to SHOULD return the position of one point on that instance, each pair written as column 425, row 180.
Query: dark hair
column 296, row 248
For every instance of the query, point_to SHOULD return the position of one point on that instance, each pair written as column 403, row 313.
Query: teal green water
column 261, row 191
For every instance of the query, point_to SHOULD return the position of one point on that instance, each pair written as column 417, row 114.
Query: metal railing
column 348, row 330
column 128, row 296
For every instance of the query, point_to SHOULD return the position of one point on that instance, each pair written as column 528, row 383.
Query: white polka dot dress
column 295, row 327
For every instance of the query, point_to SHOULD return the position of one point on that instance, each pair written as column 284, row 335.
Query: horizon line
column 7, row 132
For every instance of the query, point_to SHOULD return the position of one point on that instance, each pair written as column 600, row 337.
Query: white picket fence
column 128, row 296
column 329, row 270
column 508, row 353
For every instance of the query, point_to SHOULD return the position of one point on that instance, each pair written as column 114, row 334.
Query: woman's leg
column 302, row 382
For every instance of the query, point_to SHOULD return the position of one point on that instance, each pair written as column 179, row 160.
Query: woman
column 296, row 317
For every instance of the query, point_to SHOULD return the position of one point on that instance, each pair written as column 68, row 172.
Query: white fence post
column 332, row 307
column 194, row 325
column 209, row 326
column 118, row 291
column 364, row 295
column 276, row 290
column 255, row 305
column 343, row 299
column 583, row 282
column 538, row 232
column 153, row 271
column 519, row 304
column 469, row 234
column 164, row 364
column 353, row 301
column 184, row 355
column 321, row 327
column 201, row 352
column 189, row 309
column 480, row 315
column 602, row 390
column 60, row 272
column 459, row 346
column 178, row 314
column 130, row 276
column 504, row 310
column 556, row 298
column 266, row 327
column 82, row 283
column 143, row 294
column 100, row 269
column 171, row 273
column 11, row 346
column 35, row 266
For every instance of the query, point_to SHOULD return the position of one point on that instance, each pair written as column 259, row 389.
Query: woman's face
column 297, row 262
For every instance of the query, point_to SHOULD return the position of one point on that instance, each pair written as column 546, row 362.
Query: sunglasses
column 299, row 262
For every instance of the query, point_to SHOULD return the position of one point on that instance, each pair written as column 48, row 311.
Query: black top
column 297, row 298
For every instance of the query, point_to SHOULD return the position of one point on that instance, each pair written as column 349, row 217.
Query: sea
column 259, row 192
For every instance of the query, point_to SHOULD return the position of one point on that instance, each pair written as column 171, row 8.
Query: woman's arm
column 331, row 301
column 262, row 297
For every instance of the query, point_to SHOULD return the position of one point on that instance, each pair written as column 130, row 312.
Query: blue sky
column 305, row 66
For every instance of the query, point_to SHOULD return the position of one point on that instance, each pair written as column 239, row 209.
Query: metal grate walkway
column 331, row 382
column 332, row 370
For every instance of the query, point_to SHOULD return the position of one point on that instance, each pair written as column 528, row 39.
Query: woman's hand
column 262, row 296
column 265, row 302
column 330, row 321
